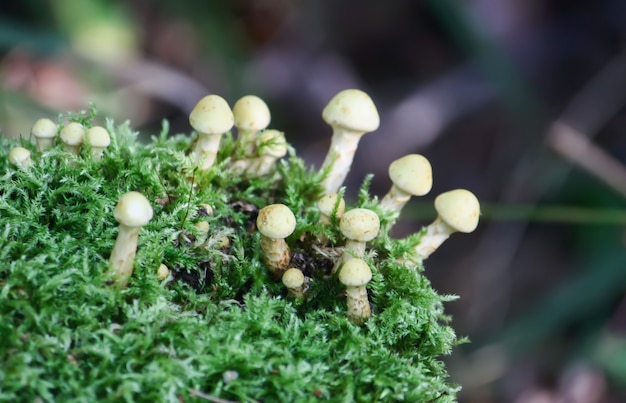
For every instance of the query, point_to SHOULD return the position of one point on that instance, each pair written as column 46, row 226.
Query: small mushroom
column 44, row 130
column 328, row 204
column 295, row 282
column 359, row 226
column 355, row 274
column 20, row 157
column 458, row 211
column 72, row 136
column 251, row 116
column 132, row 212
column 351, row 114
column 163, row 272
column 211, row 118
column 276, row 222
column 272, row 146
column 411, row 175
column 99, row 139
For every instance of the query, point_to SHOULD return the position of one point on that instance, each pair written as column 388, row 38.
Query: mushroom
column 72, row 137
column 327, row 205
column 295, row 282
column 99, row 139
column 132, row 212
column 163, row 272
column 355, row 274
column 411, row 175
column 351, row 114
column 251, row 116
column 272, row 146
column 458, row 211
column 359, row 226
column 276, row 222
column 20, row 157
column 211, row 117
column 44, row 130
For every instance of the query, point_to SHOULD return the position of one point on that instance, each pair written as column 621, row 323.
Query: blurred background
column 520, row 101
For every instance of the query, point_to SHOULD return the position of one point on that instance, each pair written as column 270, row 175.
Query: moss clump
column 220, row 326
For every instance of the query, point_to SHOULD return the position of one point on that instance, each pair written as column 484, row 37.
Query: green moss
column 221, row 326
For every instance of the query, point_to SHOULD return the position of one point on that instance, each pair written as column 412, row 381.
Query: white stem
column 343, row 145
column 44, row 143
column 123, row 254
column 276, row 255
column 96, row 152
column 261, row 166
column 351, row 250
column 247, row 141
column 358, row 306
column 205, row 150
column 395, row 199
column 436, row 234
column 300, row 291
column 72, row 149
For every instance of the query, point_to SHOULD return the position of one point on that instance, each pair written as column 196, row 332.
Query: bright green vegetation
column 220, row 326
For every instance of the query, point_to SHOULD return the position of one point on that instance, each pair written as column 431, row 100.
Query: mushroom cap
column 293, row 278
column 272, row 143
column 459, row 209
column 352, row 109
column 19, row 156
column 72, row 134
column 211, row 115
column 360, row 224
column 354, row 273
column 98, row 136
column 44, row 128
column 276, row 221
column 412, row 174
column 163, row 272
column 326, row 204
column 251, row 113
column 133, row 210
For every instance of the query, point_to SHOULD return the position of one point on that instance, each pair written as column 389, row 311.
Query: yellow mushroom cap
column 327, row 203
column 133, row 210
column 459, row 209
column 272, row 143
column 20, row 157
column 360, row 224
column 276, row 221
column 251, row 113
column 72, row 134
column 355, row 273
column 412, row 174
column 44, row 128
column 98, row 136
column 163, row 272
column 293, row 278
column 211, row 115
column 352, row 109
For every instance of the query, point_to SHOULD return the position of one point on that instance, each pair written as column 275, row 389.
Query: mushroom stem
column 296, row 283
column 339, row 159
column 123, row 254
column 436, row 234
column 276, row 255
column 395, row 199
column 205, row 151
column 358, row 306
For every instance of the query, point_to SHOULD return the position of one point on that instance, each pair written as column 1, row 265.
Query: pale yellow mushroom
column 20, row 157
column 44, row 130
column 351, row 114
column 411, row 175
column 272, row 146
column 163, row 272
column 458, row 211
column 275, row 223
column 359, row 226
column 251, row 116
column 326, row 205
column 295, row 282
column 99, row 139
column 211, row 118
column 355, row 274
column 132, row 212
column 72, row 136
